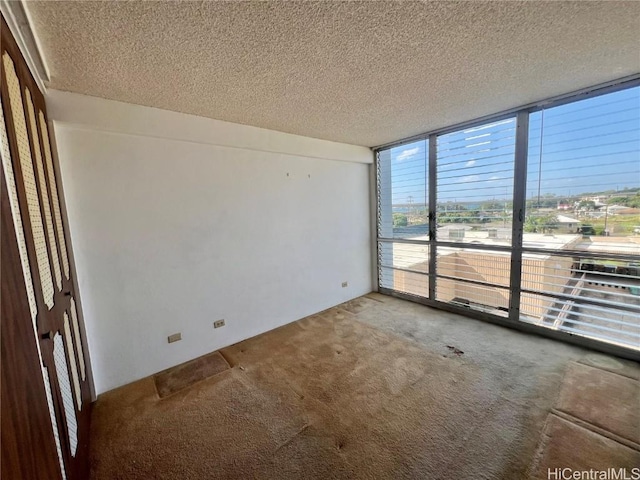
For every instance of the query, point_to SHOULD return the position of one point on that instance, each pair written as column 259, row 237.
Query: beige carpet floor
column 176, row 378
column 375, row 388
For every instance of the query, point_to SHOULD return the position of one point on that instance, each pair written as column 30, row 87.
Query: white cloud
column 470, row 163
column 494, row 178
column 405, row 154
column 469, row 179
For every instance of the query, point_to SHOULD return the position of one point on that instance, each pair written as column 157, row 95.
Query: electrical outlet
column 174, row 338
column 218, row 323
column 345, row 284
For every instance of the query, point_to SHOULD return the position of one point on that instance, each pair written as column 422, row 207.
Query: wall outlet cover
column 174, row 338
column 218, row 323
column 345, row 284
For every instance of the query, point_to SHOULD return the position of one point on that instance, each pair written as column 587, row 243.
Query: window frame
column 518, row 217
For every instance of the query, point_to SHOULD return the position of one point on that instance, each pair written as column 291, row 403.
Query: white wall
column 175, row 224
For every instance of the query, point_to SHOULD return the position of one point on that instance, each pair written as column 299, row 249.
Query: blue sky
column 587, row 146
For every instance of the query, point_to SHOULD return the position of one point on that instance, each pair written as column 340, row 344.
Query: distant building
column 567, row 224
column 599, row 201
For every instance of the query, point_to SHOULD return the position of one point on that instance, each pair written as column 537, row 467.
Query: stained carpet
column 182, row 376
column 602, row 399
column 374, row 388
column 566, row 445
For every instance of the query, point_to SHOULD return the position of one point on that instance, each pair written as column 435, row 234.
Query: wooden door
column 52, row 312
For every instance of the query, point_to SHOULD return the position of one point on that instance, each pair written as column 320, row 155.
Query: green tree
column 587, row 205
column 400, row 220
column 540, row 224
column 631, row 201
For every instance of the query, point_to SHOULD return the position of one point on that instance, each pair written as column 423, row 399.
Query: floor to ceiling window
column 474, row 187
column 533, row 217
column 403, row 255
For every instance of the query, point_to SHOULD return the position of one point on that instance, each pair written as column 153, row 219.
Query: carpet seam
column 225, row 357
column 580, row 362
column 542, row 445
column 292, row 438
column 595, row 429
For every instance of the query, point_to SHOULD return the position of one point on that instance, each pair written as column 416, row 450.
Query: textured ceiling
column 364, row 73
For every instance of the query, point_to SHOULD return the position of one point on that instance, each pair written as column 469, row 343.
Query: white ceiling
column 364, row 73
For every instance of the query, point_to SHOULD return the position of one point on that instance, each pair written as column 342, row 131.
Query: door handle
column 47, row 335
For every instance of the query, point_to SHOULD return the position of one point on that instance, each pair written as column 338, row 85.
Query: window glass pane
column 477, row 279
column 403, row 198
column 583, row 173
column 403, row 213
column 475, row 184
column 583, row 201
column 404, row 267
column 474, row 178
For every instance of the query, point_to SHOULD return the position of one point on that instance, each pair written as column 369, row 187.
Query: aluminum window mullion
column 432, row 158
column 475, row 246
column 474, row 282
column 374, row 215
column 384, row 212
column 585, row 254
column 519, row 203
column 402, row 269
column 586, row 301
column 408, row 241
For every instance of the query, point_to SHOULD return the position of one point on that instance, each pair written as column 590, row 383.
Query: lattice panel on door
column 44, row 194
column 5, row 153
column 62, row 370
column 17, row 218
column 54, row 193
column 76, row 333
column 54, row 421
column 28, row 176
column 71, row 357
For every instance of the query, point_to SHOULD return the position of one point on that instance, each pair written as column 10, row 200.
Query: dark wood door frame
column 49, row 321
column 25, row 422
